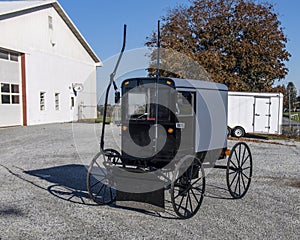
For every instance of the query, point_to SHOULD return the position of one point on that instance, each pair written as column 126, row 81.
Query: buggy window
column 137, row 104
column 185, row 103
column 141, row 104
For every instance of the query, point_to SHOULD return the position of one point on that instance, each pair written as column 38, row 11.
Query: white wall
column 51, row 68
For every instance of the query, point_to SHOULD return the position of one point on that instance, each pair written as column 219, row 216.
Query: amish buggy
column 171, row 131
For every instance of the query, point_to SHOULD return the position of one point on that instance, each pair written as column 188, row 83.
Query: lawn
column 295, row 116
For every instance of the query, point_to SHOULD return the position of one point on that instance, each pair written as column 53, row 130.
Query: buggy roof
column 198, row 84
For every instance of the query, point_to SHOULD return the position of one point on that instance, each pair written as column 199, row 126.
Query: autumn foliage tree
column 292, row 94
column 240, row 43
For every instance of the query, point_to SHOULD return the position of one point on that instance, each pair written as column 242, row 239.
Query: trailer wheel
column 187, row 190
column 239, row 170
column 99, row 180
column 238, row 132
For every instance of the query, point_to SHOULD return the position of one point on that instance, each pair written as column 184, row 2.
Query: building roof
column 9, row 7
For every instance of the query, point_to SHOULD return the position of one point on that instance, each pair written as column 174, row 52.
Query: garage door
column 10, row 89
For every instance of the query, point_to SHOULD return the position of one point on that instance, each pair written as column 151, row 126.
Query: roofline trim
column 68, row 21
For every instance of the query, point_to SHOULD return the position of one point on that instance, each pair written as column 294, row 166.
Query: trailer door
column 262, row 114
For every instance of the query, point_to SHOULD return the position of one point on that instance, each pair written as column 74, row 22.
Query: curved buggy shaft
column 112, row 81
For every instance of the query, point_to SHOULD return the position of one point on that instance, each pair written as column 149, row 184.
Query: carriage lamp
column 124, row 128
column 170, row 130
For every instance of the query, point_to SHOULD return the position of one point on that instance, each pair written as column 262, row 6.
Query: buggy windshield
column 141, row 105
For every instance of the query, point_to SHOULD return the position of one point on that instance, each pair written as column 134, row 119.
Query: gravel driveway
column 43, row 193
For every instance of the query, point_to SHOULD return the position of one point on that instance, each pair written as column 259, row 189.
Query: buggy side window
column 185, row 103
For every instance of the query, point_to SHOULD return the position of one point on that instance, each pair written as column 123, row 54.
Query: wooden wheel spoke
column 236, row 185
column 199, row 179
column 186, row 205
column 245, row 176
column 96, row 183
column 233, row 163
column 233, row 180
column 236, row 157
column 179, row 206
column 100, row 190
column 243, row 155
column 245, row 161
column 243, row 181
column 239, row 160
column 177, row 194
column 246, row 168
column 239, row 180
column 191, row 173
column 190, row 200
column 194, row 195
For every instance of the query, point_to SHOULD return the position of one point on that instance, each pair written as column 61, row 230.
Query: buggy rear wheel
column 187, row 190
column 99, row 180
column 239, row 170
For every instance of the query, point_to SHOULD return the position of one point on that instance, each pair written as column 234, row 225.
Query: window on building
column 42, row 101
column 5, row 99
column 56, row 101
column 15, row 88
column 15, row 99
column 5, row 88
column 14, row 57
column 10, row 93
column 72, row 102
column 6, row 55
column 3, row 54
column 50, row 22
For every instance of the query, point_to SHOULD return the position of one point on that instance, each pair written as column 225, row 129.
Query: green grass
column 295, row 116
column 100, row 119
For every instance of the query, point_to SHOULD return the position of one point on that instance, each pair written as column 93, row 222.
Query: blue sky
column 101, row 23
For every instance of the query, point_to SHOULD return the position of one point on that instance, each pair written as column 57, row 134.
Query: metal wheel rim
column 239, row 170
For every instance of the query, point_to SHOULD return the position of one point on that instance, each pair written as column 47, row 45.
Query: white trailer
column 250, row 112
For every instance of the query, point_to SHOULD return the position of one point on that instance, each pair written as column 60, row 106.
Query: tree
column 238, row 42
column 292, row 94
column 282, row 89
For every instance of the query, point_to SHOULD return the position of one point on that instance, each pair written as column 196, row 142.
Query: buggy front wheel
column 187, row 190
column 99, row 180
column 239, row 170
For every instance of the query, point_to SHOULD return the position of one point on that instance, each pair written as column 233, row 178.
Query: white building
column 43, row 61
